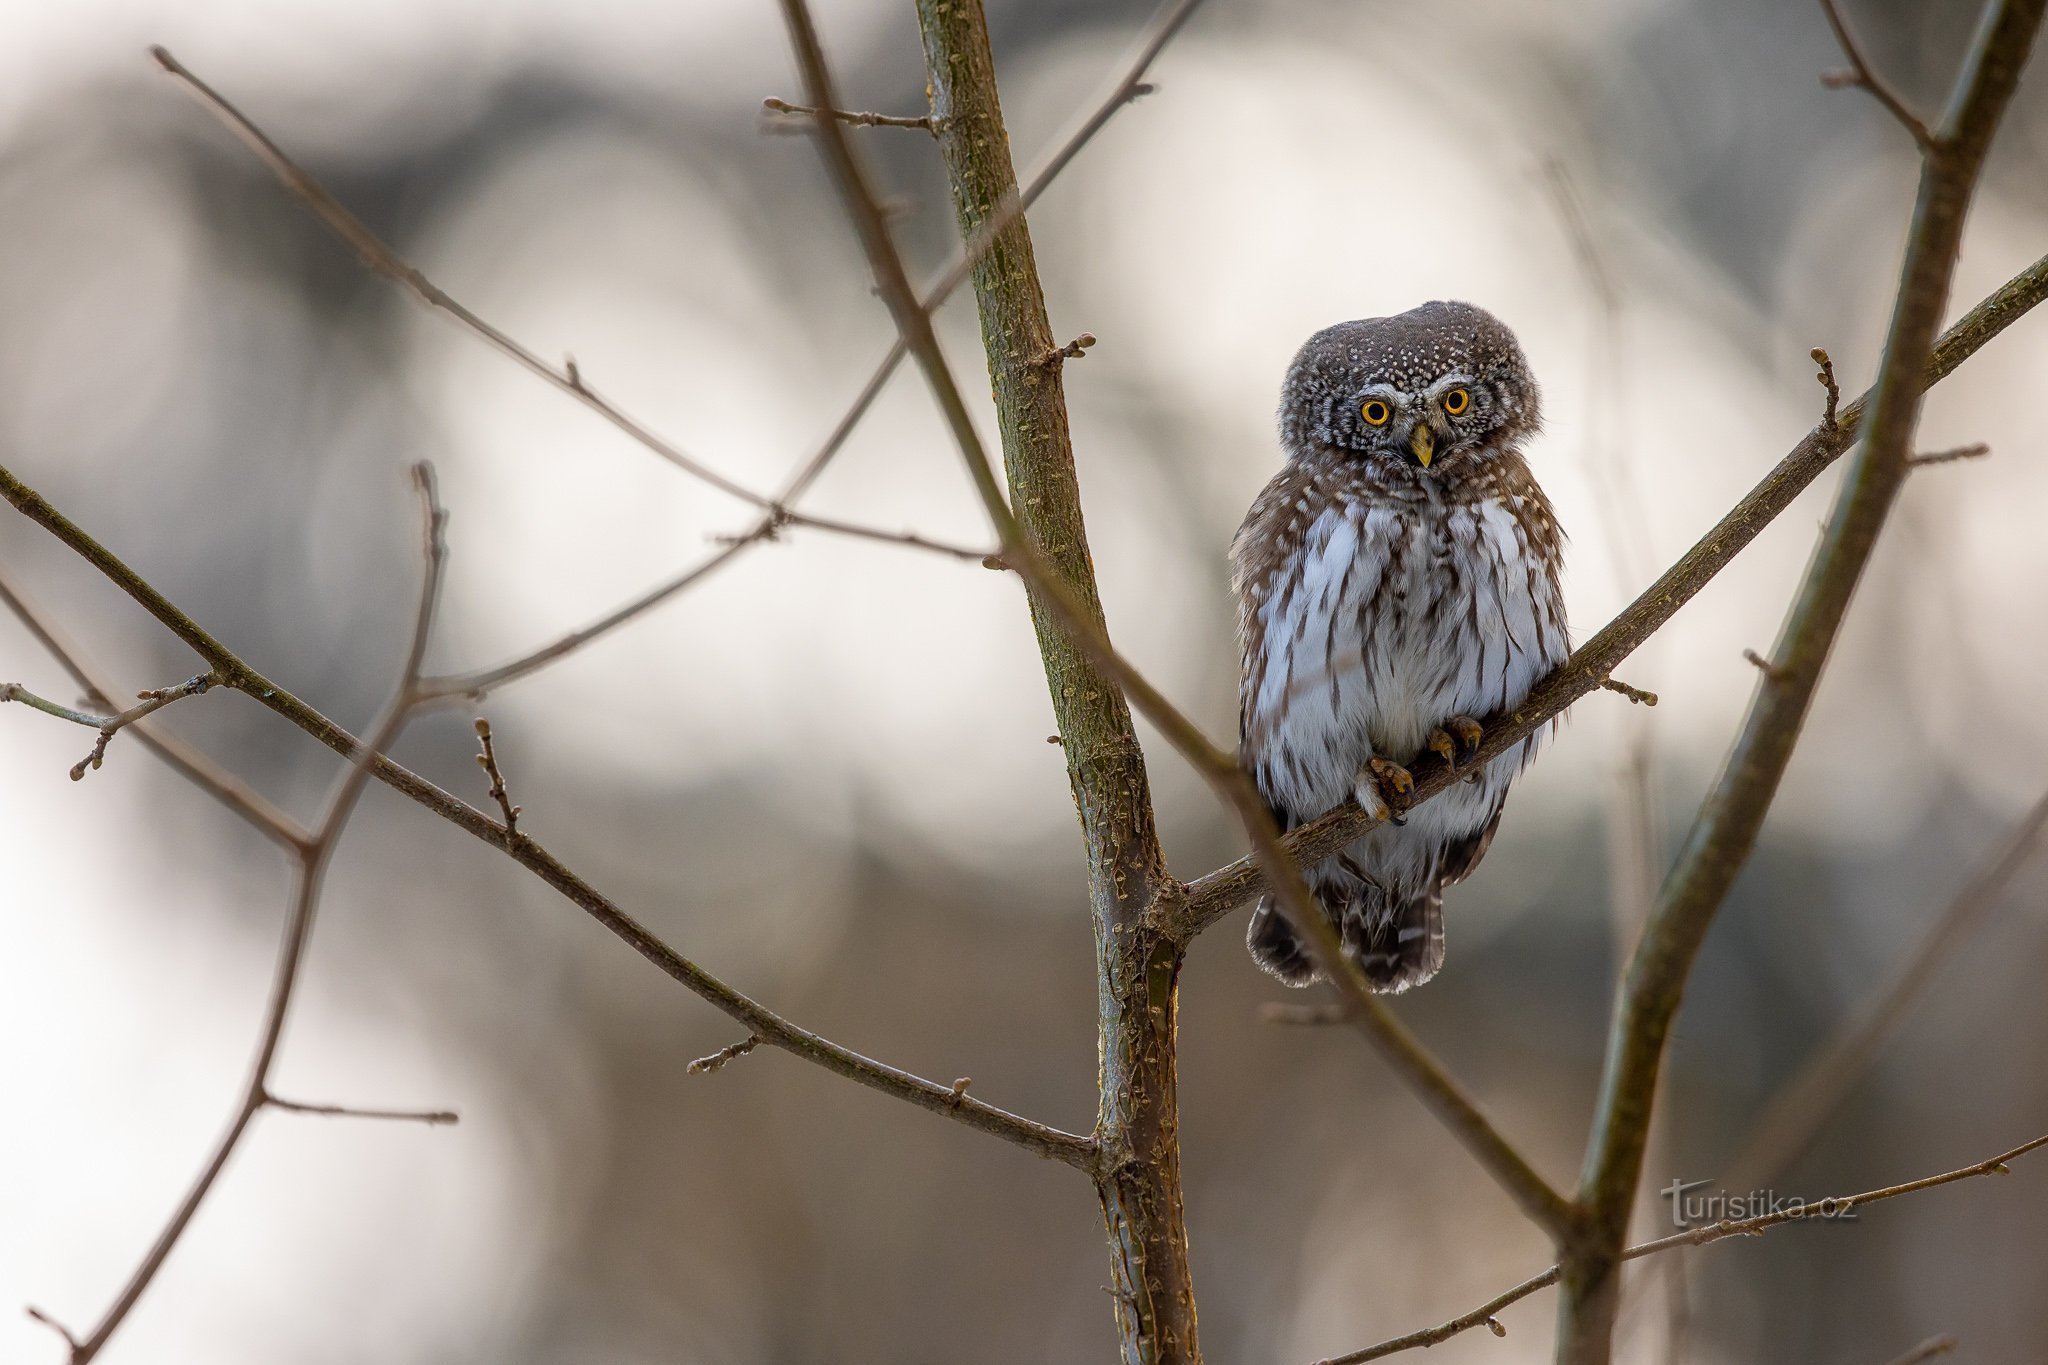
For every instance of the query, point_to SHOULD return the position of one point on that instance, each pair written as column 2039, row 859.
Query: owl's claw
column 1457, row 739
column 1383, row 789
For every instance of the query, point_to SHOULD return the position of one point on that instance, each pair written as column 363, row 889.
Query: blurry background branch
column 311, row 857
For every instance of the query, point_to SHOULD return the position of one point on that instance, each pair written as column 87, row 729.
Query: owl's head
column 1434, row 393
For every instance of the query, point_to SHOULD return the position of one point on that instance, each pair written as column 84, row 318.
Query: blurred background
column 823, row 773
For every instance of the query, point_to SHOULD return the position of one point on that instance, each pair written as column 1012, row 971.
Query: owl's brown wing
column 1265, row 545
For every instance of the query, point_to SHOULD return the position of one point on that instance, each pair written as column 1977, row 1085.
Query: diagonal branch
column 774, row 1029
column 1731, row 817
column 1483, row 1315
column 1217, row 894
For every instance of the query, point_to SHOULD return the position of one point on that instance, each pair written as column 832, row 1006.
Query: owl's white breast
column 1388, row 618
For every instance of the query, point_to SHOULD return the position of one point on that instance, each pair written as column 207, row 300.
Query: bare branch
column 804, row 114
column 1634, row 694
column 1862, row 74
column 774, row 1029
column 1829, row 417
column 314, row 855
column 705, row 1065
column 188, row 762
column 1734, row 811
column 488, row 761
column 430, row 1117
column 1700, row 1236
column 148, row 703
column 1969, row 452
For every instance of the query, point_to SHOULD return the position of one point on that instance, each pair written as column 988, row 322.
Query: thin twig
column 148, row 703
column 1699, row 1236
column 1826, row 375
column 1968, row 452
column 1634, row 694
column 236, row 672
column 705, row 1065
column 1861, row 73
column 430, row 1117
column 488, row 761
column 314, row 856
column 1073, row 350
column 216, row 781
column 804, row 113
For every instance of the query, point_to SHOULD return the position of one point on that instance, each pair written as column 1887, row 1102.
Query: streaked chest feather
column 1383, row 618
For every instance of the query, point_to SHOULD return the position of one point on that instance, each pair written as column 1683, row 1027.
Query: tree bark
column 1137, row 961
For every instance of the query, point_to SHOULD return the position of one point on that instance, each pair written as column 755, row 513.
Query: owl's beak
column 1422, row 443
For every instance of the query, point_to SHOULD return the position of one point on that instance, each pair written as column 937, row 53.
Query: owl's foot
column 1457, row 739
column 1383, row 789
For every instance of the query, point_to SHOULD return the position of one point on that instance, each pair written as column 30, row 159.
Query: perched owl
column 1398, row 578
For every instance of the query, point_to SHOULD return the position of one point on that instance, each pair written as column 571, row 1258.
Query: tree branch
column 313, row 858
column 1726, row 829
column 778, row 510
column 1861, row 73
column 148, row 703
column 1833, row 1207
column 774, row 1029
column 216, row 781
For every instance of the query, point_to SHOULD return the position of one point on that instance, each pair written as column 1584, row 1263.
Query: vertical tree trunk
column 1137, row 963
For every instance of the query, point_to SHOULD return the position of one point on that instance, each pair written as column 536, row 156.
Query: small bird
column 1399, row 577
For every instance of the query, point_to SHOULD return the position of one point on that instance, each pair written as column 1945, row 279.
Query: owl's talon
column 1461, row 732
column 1383, row 789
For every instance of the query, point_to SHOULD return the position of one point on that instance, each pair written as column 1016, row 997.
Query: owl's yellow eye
column 1456, row 401
column 1376, row 412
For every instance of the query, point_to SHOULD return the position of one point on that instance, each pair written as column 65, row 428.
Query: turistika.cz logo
column 1689, row 1209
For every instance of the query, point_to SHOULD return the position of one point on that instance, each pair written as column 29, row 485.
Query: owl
column 1399, row 577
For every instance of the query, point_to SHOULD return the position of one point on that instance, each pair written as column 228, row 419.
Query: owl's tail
column 1397, row 944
